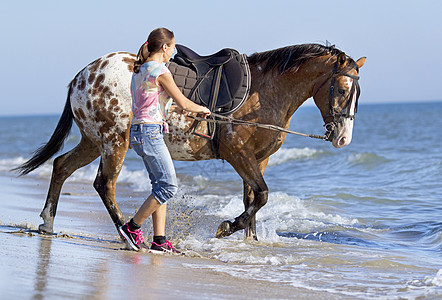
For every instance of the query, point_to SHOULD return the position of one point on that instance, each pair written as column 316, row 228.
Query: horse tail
column 55, row 143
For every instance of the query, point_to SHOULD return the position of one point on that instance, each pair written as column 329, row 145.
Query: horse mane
column 292, row 57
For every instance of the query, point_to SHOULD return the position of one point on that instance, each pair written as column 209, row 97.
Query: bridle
column 345, row 111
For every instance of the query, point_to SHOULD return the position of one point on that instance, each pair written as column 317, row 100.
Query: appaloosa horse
column 99, row 101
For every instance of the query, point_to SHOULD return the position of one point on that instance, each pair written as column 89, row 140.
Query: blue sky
column 45, row 43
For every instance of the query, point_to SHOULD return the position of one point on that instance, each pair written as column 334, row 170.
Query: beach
column 94, row 266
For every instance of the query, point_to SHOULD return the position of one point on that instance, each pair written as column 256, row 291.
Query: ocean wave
column 10, row 163
column 367, row 159
column 285, row 213
column 237, row 250
column 138, row 179
column 424, row 235
column 436, row 280
column 284, row 155
column 45, row 170
column 430, row 286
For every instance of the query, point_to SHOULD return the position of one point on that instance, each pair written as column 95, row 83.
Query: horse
column 99, row 101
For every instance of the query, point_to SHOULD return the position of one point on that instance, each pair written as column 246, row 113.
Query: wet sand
column 57, row 267
column 86, row 260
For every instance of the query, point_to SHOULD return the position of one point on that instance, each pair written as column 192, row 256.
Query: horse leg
column 249, row 196
column 248, row 168
column 106, row 180
column 84, row 153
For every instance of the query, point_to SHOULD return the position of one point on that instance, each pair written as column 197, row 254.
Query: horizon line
column 307, row 104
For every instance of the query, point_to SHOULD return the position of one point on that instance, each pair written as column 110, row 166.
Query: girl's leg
column 148, row 142
column 152, row 207
column 148, row 208
column 159, row 221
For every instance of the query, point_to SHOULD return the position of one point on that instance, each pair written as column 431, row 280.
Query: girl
column 152, row 91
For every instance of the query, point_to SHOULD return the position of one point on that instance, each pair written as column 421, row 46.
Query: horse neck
column 282, row 95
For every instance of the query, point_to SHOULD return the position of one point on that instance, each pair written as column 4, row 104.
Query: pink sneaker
column 164, row 248
column 133, row 238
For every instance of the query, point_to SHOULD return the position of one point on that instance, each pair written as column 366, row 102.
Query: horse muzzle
column 342, row 133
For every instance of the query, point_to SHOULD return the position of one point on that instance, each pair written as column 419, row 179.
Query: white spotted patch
column 182, row 144
column 102, row 104
column 98, row 106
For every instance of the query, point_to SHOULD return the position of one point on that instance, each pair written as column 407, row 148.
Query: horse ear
column 342, row 59
column 360, row 62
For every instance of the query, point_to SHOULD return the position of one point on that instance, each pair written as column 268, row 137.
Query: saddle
column 220, row 81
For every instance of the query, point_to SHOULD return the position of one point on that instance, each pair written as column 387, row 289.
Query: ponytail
column 157, row 38
column 142, row 56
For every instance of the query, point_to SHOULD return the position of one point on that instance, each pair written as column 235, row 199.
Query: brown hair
column 157, row 38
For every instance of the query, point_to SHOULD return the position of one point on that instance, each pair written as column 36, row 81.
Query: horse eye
column 341, row 91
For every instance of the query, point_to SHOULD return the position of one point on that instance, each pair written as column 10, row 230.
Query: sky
column 44, row 44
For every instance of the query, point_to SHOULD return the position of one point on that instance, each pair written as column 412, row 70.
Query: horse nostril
column 342, row 141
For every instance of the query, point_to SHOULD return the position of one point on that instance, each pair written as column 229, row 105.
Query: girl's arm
column 167, row 82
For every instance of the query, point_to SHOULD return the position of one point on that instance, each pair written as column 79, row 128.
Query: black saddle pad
column 220, row 81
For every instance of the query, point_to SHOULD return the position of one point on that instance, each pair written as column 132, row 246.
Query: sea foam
column 288, row 154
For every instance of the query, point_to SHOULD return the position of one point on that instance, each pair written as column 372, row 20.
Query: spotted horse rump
column 102, row 106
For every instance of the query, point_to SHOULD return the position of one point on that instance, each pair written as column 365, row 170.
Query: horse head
column 337, row 98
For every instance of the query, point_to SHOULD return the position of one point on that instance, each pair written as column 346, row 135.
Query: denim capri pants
column 147, row 141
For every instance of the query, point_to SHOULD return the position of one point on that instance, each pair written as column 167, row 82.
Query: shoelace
column 168, row 244
column 172, row 248
column 138, row 236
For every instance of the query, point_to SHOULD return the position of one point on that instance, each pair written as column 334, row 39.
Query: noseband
column 345, row 111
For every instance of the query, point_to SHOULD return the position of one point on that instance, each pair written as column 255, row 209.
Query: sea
column 361, row 222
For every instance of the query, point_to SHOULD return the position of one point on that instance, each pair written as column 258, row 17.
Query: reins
column 220, row 119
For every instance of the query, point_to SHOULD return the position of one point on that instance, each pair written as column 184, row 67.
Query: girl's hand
column 205, row 111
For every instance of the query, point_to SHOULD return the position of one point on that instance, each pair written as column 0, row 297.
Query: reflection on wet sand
column 144, row 271
column 103, row 270
column 41, row 274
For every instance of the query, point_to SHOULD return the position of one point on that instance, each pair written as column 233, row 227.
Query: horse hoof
column 224, row 229
column 253, row 238
column 43, row 229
